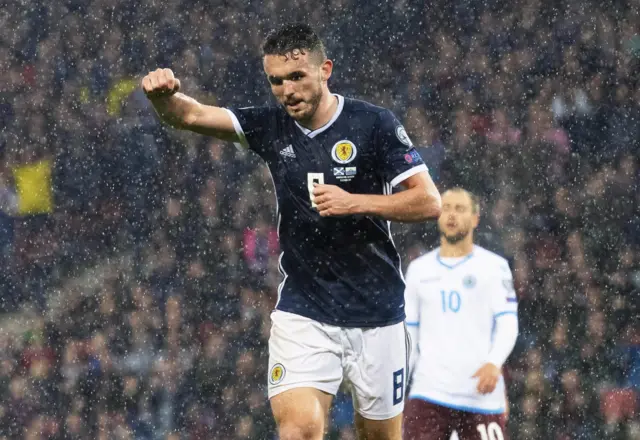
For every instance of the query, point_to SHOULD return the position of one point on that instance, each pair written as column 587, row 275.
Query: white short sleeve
column 503, row 295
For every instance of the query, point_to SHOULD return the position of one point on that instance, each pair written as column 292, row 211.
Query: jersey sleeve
column 399, row 159
column 503, row 296
column 252, row 125
column 504, row 305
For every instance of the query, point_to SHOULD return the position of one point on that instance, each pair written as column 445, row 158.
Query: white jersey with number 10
column 454, row 304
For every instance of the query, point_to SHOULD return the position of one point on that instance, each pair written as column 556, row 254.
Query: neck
column 326, row 109
column 459, row 249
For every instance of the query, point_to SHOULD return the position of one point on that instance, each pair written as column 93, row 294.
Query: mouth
column 293, row 105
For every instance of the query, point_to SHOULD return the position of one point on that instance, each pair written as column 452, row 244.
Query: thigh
column 389, row 429
column 427, row 421
column 376, row 369
column 473, row 426
column 301, row 413
column 303, row 354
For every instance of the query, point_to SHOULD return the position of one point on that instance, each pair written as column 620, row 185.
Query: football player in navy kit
column 334, row 161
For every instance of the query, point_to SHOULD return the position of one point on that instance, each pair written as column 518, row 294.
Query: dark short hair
column 292, row 36
column 475, row 200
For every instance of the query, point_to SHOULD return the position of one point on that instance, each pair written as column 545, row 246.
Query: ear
column 475, row 220
column 326, row 68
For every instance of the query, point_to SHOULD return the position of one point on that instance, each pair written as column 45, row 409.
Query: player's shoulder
column 358, row 105
column 362, row 108
column 490, row 260
column 426, row 259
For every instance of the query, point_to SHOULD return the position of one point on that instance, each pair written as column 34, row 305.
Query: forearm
column 409, row 206
column 506, row 334
column 178, row 110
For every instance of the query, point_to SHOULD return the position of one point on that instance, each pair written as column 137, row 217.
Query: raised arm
column 183, row 112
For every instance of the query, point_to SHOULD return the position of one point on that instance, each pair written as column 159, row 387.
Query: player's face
column 457, row 219
column 297, row 81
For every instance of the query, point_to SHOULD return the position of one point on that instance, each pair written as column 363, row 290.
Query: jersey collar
column 314, row 133
column 458, row 263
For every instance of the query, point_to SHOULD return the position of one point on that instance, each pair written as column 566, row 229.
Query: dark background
column 140, row 263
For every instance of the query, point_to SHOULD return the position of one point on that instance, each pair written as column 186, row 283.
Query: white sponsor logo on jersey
column 288, row 152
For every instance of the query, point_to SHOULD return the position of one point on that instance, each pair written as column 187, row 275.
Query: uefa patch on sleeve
column 412, row 157
column 401, row 133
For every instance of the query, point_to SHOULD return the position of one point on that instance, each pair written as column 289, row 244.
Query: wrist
column 358, row 204
column 163, row 98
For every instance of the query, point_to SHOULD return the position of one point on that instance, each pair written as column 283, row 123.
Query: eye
column 275, row 81
column 296, row 77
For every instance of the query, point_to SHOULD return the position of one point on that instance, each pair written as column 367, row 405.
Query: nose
column 288, row 89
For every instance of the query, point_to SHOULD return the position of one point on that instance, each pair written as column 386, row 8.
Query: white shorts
column 372, row 362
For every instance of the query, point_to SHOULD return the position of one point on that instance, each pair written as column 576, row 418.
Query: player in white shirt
column 461, row 312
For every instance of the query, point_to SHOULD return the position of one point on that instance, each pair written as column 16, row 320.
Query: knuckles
column 159, row 80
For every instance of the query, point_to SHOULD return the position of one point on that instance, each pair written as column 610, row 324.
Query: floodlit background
column 139, row 263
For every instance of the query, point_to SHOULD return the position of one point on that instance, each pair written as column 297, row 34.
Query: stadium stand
column 139, row 278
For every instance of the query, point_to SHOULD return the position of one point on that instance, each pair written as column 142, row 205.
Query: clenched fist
column 160, row 82
column 331, row 200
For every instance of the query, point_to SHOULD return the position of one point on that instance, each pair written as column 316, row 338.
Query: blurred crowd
column 532, row 104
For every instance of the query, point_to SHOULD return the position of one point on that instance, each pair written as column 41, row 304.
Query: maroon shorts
column 429, row 421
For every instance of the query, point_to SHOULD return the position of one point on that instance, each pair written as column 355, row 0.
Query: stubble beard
column 456, row 238
column 313, row 104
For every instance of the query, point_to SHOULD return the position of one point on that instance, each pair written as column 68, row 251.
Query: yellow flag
column 33, row 185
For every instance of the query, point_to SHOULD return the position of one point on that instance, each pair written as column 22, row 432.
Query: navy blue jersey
column 341, row 271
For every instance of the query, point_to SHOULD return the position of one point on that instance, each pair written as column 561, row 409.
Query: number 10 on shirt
column 450, row 301
column 311, row 179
